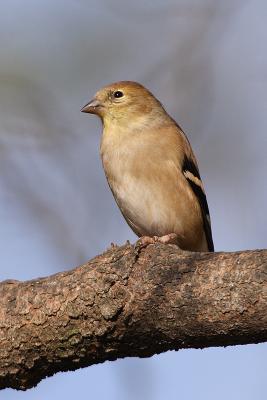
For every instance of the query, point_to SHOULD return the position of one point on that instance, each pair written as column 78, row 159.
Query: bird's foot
column 144, row 241
column 171, row 238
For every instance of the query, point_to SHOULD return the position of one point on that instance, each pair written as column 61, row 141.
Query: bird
column 151, row 168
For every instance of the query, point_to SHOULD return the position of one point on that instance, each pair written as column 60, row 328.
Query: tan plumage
column 150, row 167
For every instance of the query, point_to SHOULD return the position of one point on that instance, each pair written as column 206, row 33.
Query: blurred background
column 206, row 61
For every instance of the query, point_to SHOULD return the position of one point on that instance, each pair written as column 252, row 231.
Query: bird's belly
column 148, row 209
column 153, row 198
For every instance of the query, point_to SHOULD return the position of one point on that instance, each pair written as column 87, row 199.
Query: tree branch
column 128, row 303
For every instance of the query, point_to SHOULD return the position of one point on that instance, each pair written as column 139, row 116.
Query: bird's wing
column 191, row 173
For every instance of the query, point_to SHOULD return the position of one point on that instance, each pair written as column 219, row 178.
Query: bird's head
column 123, row 103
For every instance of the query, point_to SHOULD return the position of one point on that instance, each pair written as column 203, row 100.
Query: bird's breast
column 145, row 187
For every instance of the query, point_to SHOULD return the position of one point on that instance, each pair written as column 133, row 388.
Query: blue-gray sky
column 206, row 61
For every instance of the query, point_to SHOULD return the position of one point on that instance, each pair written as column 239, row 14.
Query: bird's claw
column 145, row 241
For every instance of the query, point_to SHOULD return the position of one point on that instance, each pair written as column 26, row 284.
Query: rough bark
column 129, row 303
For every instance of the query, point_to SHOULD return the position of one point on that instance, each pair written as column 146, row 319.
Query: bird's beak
column 92, row 107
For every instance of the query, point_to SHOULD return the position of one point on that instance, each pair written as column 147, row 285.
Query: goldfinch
column 151, row 168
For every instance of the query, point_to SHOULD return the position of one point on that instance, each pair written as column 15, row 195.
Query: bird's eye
column 117, row 94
